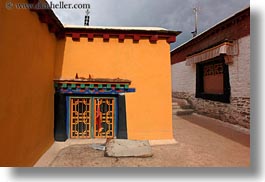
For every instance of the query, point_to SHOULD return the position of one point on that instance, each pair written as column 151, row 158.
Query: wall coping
column 55, row 26
column 136, row 33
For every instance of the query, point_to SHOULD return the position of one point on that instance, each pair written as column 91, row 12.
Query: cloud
column 171, row 14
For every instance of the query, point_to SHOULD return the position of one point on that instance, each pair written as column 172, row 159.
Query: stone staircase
column 181, row 107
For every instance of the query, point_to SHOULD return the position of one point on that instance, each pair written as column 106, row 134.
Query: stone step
column 181, row 112
column 175, row 103
column 178, row 100
column 186, row 106
column 183, row 106
column 182, row 103
column 175, row 99
column 176, row 110
column 176, row 107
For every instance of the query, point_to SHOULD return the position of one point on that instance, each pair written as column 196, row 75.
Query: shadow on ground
column 219, row 128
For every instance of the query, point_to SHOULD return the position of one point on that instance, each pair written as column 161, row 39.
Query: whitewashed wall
column 239, row 71
column 183, row 78
column 238, row 110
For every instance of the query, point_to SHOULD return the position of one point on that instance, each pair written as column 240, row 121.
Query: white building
column 212, row 70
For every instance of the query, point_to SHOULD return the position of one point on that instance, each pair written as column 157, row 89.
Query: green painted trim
column 73, row 85
column 82, row 86
column 64, row 85
column 118, row 86
column 91, row 86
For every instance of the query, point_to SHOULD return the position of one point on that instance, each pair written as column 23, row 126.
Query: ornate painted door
column 104, row 118
column 92, row 117
column 80, row 117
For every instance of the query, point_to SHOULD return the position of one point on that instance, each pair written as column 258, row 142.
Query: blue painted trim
column 68, row 116
column 96, row 91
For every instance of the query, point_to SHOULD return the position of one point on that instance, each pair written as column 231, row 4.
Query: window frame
column 225, row 97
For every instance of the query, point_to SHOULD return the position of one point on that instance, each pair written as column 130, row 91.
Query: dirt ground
column 201, row 142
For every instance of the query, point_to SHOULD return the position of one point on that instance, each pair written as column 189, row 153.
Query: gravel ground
column 202, row 142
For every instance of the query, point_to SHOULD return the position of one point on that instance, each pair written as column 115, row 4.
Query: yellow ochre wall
column 27, row 56
column 149, row 113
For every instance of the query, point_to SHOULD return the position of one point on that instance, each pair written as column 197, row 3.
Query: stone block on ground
column 128, row 148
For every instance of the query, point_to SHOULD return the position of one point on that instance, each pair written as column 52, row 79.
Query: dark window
column 212, row 80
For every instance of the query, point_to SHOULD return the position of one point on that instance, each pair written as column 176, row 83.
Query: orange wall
column 149, row 114
column 27, row 55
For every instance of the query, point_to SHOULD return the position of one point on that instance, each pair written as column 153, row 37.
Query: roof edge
column 137, row 30
column 47, row 16
column 122, row 33
column 212, row 29
column 55, row 26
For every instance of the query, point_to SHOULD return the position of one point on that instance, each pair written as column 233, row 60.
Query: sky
column 170, row 14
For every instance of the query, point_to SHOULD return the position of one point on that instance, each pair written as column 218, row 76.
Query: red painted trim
column 122, row 34
column 106, row 37
column 154, row 38
column 171, row 39
column 33, row 1
column 48, row 17
column 76, row 36
column 44, row 18
column 90, row 36
column 136, row 37
column 52, row 28
column 121, row 37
